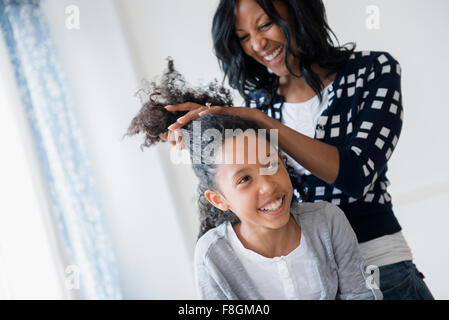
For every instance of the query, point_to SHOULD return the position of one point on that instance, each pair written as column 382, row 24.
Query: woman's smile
column 263, row 40
column 274, row 57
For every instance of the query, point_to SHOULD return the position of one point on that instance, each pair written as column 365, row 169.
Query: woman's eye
column 266, row 25
column 262, row 27
column 243, row 179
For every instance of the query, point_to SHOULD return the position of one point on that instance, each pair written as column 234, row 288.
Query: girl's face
column 259, row 200
column 261, row 39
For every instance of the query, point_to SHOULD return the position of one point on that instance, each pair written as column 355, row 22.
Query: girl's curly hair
column 153, row 119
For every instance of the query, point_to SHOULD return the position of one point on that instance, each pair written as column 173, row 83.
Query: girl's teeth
column 276, row 205
column 274, row 54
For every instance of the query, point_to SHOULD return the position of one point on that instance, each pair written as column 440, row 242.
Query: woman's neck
column 268, row 242
column 295, row 89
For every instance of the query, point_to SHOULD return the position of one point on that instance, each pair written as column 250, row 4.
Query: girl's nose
column 268, row 185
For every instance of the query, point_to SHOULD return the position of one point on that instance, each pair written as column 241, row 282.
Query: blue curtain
column 61, row 151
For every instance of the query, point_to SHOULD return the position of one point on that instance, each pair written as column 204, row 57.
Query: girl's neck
column 268, row 242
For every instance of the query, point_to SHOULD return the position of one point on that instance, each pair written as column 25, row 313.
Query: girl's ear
column 217, row 200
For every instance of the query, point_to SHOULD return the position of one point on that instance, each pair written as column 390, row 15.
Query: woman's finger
column 189, row 116
column 175, row 139
column 188, row 106
column 179, row 141
column 164, row 136
column 252, row 114
column 213, row 110
column 171, row 137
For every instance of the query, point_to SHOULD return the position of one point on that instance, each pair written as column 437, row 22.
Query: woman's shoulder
column 371, row 55
column 367, row 58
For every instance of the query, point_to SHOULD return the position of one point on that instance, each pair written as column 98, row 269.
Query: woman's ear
column 217, row 200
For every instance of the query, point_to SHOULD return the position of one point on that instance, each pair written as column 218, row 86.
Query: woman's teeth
column 273, row 206
column 274, row 55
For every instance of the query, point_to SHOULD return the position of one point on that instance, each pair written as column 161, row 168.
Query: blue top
column 363, row 120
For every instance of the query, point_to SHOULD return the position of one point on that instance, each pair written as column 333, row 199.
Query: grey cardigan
column 220, row 275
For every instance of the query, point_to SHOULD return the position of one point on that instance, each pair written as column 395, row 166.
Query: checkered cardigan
column 363, row 120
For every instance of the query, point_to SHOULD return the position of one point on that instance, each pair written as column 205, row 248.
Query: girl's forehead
column 243, row 154
column 245, row 149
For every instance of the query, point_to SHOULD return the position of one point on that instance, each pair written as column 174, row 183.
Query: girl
column 338, row 113
column 254, row 243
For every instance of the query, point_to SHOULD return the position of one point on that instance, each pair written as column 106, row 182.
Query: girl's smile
column 274, row 207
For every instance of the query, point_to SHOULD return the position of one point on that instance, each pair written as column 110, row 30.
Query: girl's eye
column 243, row 180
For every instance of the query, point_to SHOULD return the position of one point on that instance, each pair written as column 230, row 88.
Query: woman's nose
column 258, row 43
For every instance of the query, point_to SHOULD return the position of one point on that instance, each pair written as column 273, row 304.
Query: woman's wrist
column 263, row 120
column 319, row 158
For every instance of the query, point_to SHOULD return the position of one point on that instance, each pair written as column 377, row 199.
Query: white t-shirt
column 290, row 277
column 303, row 117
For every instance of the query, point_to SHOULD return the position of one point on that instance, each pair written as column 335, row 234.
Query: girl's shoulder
column 215, row 238
column 317, row 215
column 312, row 209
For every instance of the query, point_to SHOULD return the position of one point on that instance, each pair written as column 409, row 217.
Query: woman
column 250, row 228
column 338, row 113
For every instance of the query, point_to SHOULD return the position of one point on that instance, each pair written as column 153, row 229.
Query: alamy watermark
column 372, row 21
column 73, row 275
column 234, row 148
column 373, row 277
column 72, row 20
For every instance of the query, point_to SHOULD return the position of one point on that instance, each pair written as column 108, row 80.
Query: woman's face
column 261, row 39
column 259, row 200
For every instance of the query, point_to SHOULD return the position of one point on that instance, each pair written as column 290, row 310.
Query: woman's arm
column 373, row 132
column 375, row 129
column 321, row 159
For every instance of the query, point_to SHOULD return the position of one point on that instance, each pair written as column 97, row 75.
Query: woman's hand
column 197, row 110
column 173, row 135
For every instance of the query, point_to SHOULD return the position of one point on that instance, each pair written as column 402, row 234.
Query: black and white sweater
column 363, row 120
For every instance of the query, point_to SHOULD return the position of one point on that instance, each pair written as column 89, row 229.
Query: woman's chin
column 279, row 71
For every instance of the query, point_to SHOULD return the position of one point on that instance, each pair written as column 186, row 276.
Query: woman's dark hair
column 313, row 38
column 153, row 119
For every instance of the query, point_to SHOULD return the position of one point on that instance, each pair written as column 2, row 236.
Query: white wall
column 148, row 201
column 32, row 263
column 137, row 199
